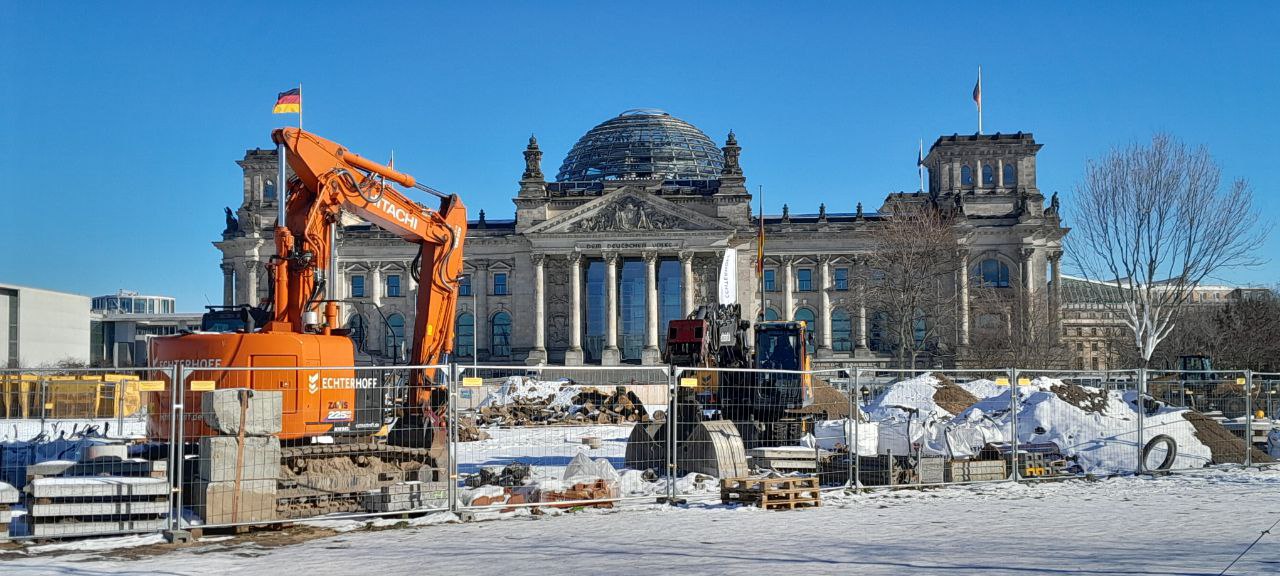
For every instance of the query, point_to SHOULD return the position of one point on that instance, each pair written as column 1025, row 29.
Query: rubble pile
column 526, row 402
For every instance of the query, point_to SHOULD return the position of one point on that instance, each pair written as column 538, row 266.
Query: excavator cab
column 229, row 319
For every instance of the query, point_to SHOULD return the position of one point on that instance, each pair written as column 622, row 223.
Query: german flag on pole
column 289, row 102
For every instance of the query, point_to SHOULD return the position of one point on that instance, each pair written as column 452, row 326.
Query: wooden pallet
column 786, row 493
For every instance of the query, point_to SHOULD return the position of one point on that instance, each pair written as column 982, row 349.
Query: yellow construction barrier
column 69, row 396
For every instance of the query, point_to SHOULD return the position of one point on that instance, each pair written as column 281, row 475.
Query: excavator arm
column 331, row 179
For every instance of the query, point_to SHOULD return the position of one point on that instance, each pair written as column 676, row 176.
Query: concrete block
column 5, row 517
column 216, row 502
column 150, row 508
column 260, row 459
column 404, row 496
column 50, row 468
column 8, row 494
column 98, row 487
column 91, row 528
column 221, row 410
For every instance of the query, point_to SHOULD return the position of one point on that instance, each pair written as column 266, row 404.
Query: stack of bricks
column 237, row 474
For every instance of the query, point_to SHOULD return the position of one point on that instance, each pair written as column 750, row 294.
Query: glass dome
column 642, row 143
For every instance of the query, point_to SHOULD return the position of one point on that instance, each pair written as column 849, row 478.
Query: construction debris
column 1226, row 447
column 522, row 401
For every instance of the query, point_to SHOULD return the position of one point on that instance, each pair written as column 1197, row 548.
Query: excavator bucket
column 714, row 448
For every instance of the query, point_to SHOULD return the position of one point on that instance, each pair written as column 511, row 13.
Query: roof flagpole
column 300, row 106
column 977, row 98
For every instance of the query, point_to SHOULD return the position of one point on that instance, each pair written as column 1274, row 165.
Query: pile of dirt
column 589, row 406
column 1227, row 448
column 951, row 397
column 827, row 400
column 1075, row 395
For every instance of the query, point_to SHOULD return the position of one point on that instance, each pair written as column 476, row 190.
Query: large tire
column 1170, row 455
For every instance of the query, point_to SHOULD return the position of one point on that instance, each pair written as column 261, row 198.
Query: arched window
column 1010, row 175
column 464, row 334
column 394, row 336
column 810, row 327
column 269, row 190
column 920, row 327
column 500, row 335
column 771, row 315
column 358, row 332
column 966, row 175
column 988, row 176
column 992, row 273
column 841, row 331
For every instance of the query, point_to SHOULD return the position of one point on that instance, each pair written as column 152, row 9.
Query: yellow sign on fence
column 472, row 381
column 1024, row 381
column 1002, row 381
column 688, row 382
column 202, row 385
column 151, row 386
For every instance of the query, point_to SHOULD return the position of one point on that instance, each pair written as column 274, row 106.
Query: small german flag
column 289, row 102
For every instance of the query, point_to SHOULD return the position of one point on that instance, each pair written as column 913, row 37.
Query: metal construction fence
column 87, row 452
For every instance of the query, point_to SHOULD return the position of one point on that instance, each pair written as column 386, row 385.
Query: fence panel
column 935, row 427
column 561, row 436
column 74, row 453
column 1265, row 449
column 1077, row 423
column 269, row 444
column 1197, row 419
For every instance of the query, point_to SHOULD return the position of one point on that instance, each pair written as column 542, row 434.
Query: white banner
column 729, row 277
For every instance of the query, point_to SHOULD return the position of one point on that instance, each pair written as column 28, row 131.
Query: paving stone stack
column 404, row 496
column 238, row 471
column 86, row 505
column 8, row 497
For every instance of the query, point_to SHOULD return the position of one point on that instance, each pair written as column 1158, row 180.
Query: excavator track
column 320, row 479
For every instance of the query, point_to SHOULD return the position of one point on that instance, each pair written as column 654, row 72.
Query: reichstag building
column 631, row 233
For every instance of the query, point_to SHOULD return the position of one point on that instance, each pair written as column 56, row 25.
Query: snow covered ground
column 1188, row 524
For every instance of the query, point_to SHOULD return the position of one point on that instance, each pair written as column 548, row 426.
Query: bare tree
column 908, row 279
column 1007, row 334
column 1153, row 221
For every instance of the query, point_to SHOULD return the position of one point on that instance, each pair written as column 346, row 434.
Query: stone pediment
column 629, row 211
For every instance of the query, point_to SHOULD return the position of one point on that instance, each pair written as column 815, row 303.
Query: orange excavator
column 294, row 338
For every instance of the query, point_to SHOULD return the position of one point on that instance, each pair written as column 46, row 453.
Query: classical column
column 1056, row 306
column 1028, row 289
column 228, row 284
column 480, row 293
column 789, row 297
column 651, row 354
column 374, row 287
column 824, row 267
column 686, row 281
column 573, row 357
column 539, row 353
column 251, row 282
column 977, row 174
column 963, row 281
column 611, row 355
column 956, row 182
column 1000, row 173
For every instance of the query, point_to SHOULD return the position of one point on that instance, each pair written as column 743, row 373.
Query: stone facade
column 586, row 269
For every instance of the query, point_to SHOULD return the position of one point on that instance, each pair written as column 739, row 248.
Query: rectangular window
column 393, row 285
column 842, row 279
column 357, row 286
column 500, row 284
column 804, row 279
column 769, row 281
column 464, row 285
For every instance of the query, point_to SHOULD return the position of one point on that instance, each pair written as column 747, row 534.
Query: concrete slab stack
column 404, row 496
column 8, row 497
column 235, row 479
column 81, row 506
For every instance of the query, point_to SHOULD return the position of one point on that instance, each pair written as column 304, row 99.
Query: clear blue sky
column 120, row 123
